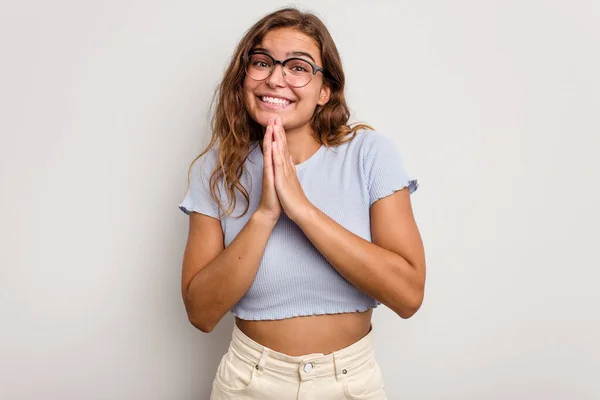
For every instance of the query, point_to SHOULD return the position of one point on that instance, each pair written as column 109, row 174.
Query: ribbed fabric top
column 293, row 278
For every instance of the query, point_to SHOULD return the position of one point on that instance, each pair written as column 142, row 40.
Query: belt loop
column 339, row 367
column 263, row 360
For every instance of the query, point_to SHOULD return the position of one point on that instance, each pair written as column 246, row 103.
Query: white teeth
column 275, row 100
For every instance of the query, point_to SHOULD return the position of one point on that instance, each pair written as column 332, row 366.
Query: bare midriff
column 310, row 334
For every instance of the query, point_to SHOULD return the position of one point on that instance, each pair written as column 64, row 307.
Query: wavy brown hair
column 233, row 130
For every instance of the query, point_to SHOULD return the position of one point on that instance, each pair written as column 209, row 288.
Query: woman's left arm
column 392, row 268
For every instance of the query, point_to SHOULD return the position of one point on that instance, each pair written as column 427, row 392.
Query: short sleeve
column 198, row 197
column 383, row 167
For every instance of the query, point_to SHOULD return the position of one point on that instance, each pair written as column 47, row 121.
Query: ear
column 324, row 95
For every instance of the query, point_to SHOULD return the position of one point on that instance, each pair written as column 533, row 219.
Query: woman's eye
column 299, row 67
column 259, row 62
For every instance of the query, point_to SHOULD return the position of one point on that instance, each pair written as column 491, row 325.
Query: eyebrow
column 289, row 53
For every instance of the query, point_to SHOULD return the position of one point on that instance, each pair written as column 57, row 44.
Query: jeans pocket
column 364, row 382
column 234, row 373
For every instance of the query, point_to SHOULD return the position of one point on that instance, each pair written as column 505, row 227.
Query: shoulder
column 367, row 138
column 208, row 156
column 363, row 146
column 203, row 166
column 368, row 143
column 370, row 139
column 207, row 160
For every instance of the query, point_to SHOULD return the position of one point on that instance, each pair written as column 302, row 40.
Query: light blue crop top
column 293, row 278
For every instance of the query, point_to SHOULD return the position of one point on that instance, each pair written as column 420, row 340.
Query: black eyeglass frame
column 315, row 68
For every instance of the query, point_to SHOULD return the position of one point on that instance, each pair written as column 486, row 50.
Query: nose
column 277, row 77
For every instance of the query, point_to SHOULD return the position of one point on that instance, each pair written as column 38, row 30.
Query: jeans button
column 308, row 367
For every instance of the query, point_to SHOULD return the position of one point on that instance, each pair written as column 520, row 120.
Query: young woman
column 300, row 224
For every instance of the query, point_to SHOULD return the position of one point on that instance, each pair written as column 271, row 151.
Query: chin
column 262, row 117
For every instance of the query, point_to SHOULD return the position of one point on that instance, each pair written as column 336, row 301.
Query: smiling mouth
column 275, row 101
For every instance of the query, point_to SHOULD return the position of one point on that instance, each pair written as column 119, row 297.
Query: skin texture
column 295, row 118
column 391, row 269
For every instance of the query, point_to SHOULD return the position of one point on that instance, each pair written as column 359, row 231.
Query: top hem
column 248, row 317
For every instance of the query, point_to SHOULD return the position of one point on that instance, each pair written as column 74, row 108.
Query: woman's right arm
column 214, row 278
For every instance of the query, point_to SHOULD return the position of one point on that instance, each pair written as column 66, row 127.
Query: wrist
column 263, row 219
column 304, row 214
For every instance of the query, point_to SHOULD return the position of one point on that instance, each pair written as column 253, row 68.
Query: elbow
column 198, row 319
column 201, row 323
column 407, row 312
column 410, row 308
column 198, row 316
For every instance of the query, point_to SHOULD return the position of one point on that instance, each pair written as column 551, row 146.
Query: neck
column 301, row 144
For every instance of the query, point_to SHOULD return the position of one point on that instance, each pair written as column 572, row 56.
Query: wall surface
column 494, row 105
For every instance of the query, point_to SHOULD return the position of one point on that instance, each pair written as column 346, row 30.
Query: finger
column 275, row 133
column 267, row 152
column 277, row 160
column 285, row 157
column 281, row 143
column 270, row 121
column 268, row 137
column 283, row 135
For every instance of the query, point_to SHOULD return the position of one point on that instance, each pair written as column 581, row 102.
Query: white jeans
column 251, row 371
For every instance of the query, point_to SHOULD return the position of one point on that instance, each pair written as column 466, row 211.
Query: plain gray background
column 494, row 105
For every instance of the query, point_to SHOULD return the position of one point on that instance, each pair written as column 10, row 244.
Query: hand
column 269, row 204
column 288, row 188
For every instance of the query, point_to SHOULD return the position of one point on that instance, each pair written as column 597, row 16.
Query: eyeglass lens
column 296, row 72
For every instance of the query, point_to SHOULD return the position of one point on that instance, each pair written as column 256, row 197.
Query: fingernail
column 270, row 121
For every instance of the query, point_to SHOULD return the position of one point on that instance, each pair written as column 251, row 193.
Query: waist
column 309, row 334
column 334, row 363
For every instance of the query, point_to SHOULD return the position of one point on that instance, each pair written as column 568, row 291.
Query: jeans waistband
column 309, row 366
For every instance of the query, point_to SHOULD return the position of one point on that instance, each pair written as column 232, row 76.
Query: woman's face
column 283, row 43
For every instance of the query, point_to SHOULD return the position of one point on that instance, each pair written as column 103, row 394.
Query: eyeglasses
column 297, row 72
